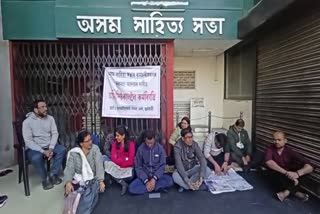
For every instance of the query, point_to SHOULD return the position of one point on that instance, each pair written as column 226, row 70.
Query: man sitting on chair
column 288, row 167
column 40, row 135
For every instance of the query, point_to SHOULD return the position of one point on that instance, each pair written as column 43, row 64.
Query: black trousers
column 281, row 182
column 219, row 159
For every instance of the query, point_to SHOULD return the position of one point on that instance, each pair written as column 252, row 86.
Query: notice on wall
column 131, row 92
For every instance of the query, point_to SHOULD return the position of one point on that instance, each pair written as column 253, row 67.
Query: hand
column 217, row 169
column 199, row 182
column 152, row 184
column 248, row 159
column 149, row 186
column 47, row 153
column 50, row 154
column 102, row 186
column 68, row 188
column 191, row 186
column 225, row 167
column 292, row 175
column 245, row 162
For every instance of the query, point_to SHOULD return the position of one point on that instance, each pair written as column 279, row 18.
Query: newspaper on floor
column 227, row 183
column 116, row 171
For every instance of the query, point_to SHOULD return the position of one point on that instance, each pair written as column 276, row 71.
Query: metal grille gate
column 69, row 76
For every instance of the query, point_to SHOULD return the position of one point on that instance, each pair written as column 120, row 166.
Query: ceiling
column 185, row 48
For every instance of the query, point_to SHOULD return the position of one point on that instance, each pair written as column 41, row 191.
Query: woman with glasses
column 176, row 135
column 84, row 170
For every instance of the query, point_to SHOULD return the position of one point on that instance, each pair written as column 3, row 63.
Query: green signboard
column 110, row 23
column 201, row 19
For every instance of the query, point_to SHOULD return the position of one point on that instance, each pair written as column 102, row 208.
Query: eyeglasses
column 188, row 137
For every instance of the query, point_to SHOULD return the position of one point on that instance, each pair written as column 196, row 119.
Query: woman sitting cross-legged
column 84, row 172
column 120, row 167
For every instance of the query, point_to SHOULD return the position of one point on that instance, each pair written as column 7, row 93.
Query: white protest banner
column 131, row 92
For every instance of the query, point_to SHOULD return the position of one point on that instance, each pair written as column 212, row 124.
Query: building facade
column 287, row 84
column 58, row 51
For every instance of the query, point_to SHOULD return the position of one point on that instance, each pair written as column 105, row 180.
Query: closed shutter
column 288, row 88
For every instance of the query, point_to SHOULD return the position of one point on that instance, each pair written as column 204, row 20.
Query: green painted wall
column 28, row 20
column 49, row 20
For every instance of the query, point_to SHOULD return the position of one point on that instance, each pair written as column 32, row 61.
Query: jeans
column 193, row 175
column 37, row 160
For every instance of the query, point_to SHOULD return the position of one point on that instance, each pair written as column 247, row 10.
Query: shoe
column 181, row 189
column 46, row 184
column 55, row 180
column 3, row 200
column 4, row 172
column 124, row 188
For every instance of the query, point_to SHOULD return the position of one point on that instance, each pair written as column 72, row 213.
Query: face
column 187, row 139
column 42, row 109
column 150, row 142
column 218, row 145
column 120, row 138
column 279, row 140
column 87, row 142
column 184, row 124
column 238, row 128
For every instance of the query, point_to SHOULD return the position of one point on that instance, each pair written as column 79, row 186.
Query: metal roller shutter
column 288, row 89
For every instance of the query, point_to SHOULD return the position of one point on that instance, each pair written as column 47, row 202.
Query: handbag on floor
column 71, row 203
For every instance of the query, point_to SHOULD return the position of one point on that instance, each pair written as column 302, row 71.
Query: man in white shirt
column 217, row 152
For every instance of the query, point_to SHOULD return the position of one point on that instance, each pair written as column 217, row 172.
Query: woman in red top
column 122, row 158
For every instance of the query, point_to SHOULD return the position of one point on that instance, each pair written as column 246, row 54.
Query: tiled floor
column 39, row 202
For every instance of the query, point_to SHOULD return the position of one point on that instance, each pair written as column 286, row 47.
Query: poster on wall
column 131, row 92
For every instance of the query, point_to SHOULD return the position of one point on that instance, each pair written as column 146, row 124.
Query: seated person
column 149, row 165
column 40, row 135
column 217, row 152
column 288, row 167
column 161, row 139
column 176, row 135
column 240, row 145
column 84, row 164
column 187, row 153
column 122, row 158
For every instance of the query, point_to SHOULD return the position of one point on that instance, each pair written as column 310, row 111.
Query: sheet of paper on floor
column 227, row 183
